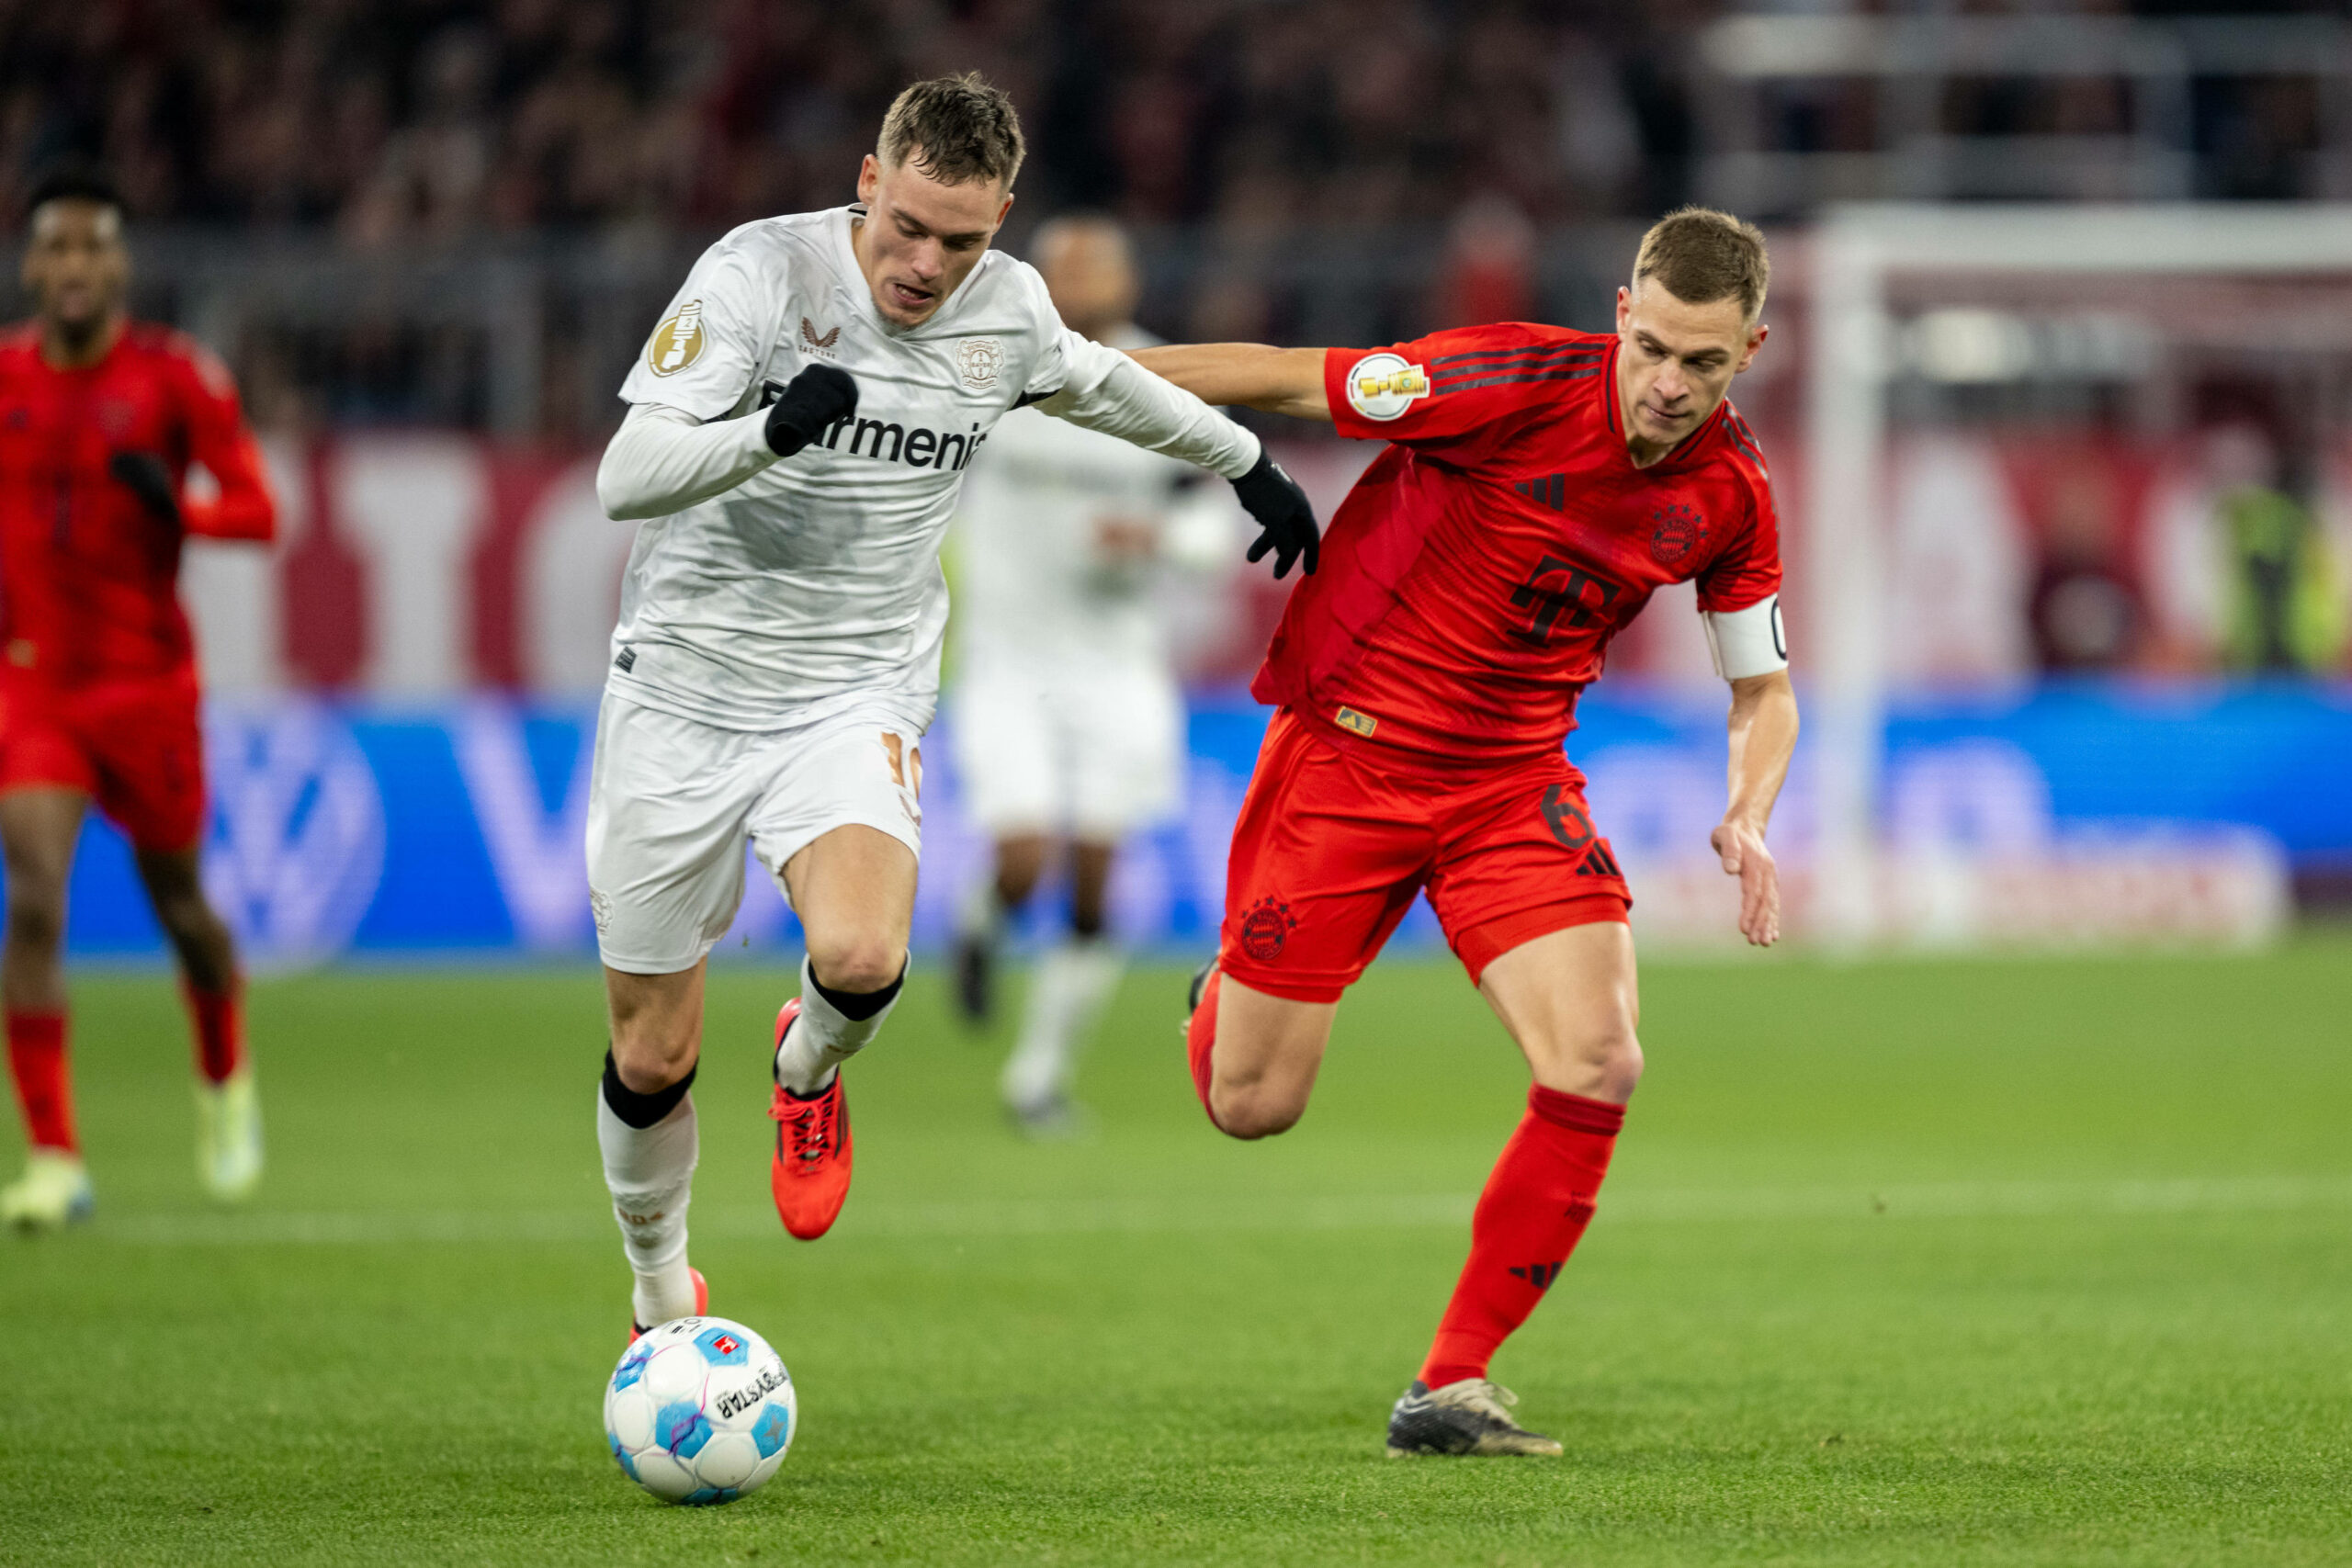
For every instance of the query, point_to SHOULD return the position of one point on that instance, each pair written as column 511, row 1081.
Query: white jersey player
column 798, row 429
column 1070, row 723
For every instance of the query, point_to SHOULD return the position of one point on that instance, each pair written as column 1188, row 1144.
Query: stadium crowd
column 395, row 121
column 1309, row 170
column 399, row 120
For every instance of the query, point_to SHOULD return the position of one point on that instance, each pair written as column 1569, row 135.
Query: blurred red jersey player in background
column 101, row 420
column 1538, row 487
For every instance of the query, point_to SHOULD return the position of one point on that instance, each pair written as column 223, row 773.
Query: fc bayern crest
column 978, row 361
column 1266, row 927
column 1680, row 531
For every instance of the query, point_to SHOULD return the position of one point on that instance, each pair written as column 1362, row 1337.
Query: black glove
column 1273, row 497
column 819, row 396
column 144, row 476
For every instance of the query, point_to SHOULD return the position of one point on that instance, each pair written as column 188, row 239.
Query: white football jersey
column 1032, row 582
column 814, row 584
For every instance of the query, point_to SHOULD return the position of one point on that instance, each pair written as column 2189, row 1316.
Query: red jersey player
column 100, row 420
column 1540, row 485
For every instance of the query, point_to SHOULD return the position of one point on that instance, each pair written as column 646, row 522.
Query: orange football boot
column 701, row 1306
column 810, row 1171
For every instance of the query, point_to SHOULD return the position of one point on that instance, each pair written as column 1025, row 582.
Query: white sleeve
column 1109, row 392
column 664, row 460
column 707, row 350
column 1747, row 642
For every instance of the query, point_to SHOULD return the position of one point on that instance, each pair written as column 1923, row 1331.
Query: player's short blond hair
column 1700, row 255
column 958, row 129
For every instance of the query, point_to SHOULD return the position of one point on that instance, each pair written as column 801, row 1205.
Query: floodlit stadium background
column 2074, row 647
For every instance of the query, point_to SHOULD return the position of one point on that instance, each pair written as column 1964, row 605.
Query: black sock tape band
column 857, row 1006
column 641, row 1111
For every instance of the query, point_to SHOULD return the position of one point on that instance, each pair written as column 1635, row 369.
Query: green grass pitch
column 2032, row 1262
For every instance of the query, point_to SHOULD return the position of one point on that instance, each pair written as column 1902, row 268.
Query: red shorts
column 134, row 745
column 1330, row 849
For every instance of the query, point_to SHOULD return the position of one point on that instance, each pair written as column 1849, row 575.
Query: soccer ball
column 699, row 1411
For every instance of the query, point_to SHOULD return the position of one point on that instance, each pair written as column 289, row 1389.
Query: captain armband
column 1747, row 642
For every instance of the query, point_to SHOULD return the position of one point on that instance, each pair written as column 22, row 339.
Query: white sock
column 822, row 1038
column 1066, row 994
column 650, row 1172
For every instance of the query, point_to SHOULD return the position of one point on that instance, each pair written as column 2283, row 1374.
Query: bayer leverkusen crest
column 978, row 361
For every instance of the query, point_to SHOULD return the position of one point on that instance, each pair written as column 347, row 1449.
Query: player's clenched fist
column 1279, row 507
column 819, row 396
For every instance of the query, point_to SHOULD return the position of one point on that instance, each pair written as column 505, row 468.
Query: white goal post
column 1856, row 253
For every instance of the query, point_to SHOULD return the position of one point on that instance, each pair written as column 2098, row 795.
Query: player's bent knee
column 649, row 1059
column 1252, row 1113
column 1604, row 1064
column 36, row 917
column 859, row 963
column 655, row 1027
column 1620, row 1068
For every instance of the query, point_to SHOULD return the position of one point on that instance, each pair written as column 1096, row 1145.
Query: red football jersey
column 1473, row 578
column 88, row 574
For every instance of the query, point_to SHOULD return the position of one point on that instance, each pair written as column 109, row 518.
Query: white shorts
column 671, row 801
column 1092, row 753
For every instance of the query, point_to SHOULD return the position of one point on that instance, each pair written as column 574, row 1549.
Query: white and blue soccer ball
column 700, row 1411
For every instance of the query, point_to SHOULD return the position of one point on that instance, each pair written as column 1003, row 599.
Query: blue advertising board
column 457, row 830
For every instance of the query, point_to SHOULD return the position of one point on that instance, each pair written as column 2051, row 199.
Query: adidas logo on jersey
column 1600, row 863
column 1551, row 491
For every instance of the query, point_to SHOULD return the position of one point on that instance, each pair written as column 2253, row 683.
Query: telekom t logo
column 1547, row 604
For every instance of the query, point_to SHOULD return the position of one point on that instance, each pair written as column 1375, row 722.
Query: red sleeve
column 218, row 438
column 1456, row 395
column 1747, row 569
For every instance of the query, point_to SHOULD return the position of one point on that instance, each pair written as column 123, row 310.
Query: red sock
column 1200, row 1038
column 218, row 1018
column 37, row 1061
column 1528, row 1219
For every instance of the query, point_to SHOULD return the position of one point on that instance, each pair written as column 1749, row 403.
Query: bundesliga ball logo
column 1680, row 531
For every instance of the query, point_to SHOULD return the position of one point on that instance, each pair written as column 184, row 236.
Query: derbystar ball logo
column 734, row 1402
column 676, row 342
column 1266, row 927
column 1382, row 386
column 1680, row 530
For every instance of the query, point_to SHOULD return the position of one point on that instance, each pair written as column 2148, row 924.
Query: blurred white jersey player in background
column 1070, row 724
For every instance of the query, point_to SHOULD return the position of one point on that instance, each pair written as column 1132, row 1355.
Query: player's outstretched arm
column 1247, row 375
column 1117, row 396
column 1763, row 738
column 664, row 459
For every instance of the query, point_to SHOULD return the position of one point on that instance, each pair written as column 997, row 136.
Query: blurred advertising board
column 2077, row 813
